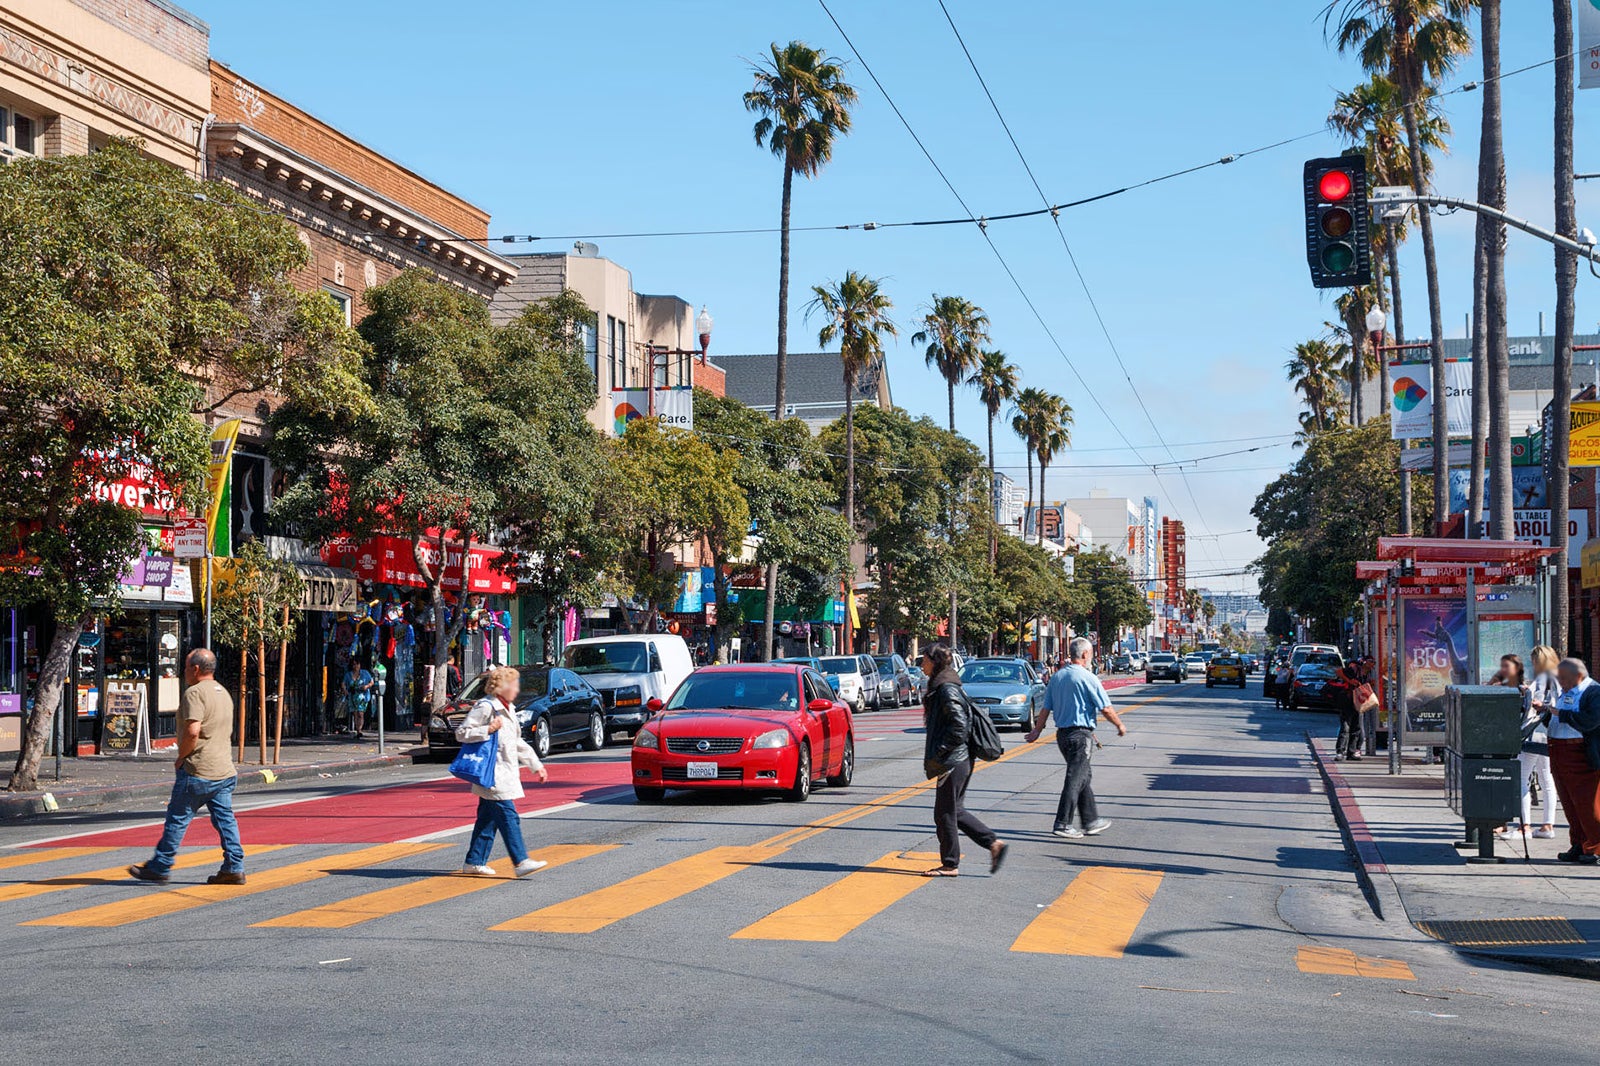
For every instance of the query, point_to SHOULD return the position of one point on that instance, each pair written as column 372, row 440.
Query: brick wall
column 234, row 99
column 64, row 136
column 711, row 377
column 161, row 25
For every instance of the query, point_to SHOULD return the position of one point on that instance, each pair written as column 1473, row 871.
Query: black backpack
column 983, row 738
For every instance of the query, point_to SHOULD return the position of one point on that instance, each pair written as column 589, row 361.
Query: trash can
column 1483, row 779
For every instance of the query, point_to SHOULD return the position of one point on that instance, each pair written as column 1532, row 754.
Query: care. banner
column 674, row 407
column 1411, row 386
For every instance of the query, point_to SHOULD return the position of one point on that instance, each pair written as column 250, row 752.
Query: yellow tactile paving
column 1096, row 916
column 155, row 903
column 414, row 894
column 1346, row 963
column 598, row 909
column 114, row 874
column 827, row 915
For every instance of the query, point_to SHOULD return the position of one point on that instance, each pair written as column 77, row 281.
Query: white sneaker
column 1544, row 834
column 1096, row 827
column 527, row 866
column 478, row 871
column 1071, row 832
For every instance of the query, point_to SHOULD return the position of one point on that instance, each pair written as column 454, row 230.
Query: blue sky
column 614, row 116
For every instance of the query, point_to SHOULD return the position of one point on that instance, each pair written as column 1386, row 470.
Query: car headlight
column 1014, row 698
column 647, row 739
column 772, row 738
column 629, row 696
column 438, row 723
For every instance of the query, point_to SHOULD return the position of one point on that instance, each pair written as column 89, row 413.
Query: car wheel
column 646, row 794
column 860, row 705
column 541, row 738
column 847, row 765
column 597, row 733
column 800, row 791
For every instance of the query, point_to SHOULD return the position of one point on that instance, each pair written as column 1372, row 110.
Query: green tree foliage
column 119, row 288
column 1323, row 516
column 954, row 330
column 1113, row 601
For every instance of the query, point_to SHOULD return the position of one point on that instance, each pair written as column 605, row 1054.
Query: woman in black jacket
column 947, row 716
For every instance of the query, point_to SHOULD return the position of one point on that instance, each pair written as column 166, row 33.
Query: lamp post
column 653, row 352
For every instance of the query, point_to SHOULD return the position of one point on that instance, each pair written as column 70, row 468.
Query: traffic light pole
column 1382, row 198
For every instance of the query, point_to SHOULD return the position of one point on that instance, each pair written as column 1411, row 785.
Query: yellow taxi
column 1225, row 669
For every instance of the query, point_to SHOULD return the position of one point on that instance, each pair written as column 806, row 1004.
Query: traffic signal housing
column 1338, row 248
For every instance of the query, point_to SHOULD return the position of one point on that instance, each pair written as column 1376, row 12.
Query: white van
column 629, row 671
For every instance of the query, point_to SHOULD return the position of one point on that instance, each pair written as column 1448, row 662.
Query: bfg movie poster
column 1435, row 647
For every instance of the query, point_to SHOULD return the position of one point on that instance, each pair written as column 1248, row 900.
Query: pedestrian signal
column 1336, row 222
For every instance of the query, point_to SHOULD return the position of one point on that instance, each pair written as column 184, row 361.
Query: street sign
column 1421, row 457
column 189, row 538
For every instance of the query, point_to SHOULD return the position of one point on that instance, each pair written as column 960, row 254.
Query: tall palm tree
column 996, row 379
column 953, row 330
column 1566, row 313
column 1492, row 191
column 804, row 103
column 1055, row 436
column 1362, row 361
column 857, row 314
column 1032, row 407
column 1313, row 371
column 1415, row 42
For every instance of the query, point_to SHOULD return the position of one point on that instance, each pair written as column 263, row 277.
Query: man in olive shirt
column 206, row 776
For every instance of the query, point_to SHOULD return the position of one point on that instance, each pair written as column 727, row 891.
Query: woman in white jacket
column 490, row 715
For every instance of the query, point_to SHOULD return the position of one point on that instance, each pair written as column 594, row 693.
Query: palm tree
column 1362, row 360
column 1055, row 436
column 996, row 379
column 857, row 314
column 1032, row 412
column 1314, row 374
column 1414, row 42
column 1497, row 375
column 953, row 330
column 1566, row 312
column 804, row 104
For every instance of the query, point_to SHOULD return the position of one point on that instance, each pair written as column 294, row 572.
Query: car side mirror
column 654, row 705
column 820, row 706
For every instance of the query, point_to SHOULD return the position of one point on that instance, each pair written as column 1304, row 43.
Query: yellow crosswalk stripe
column 400, row 898
column 175, row 900
column 1343, row 962
column 596, row 910
column 114, row 874
column 1096, row 916
column 33, row 855
column 827, row 915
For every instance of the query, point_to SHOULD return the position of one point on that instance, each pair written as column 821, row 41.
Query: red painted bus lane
column 389, row 814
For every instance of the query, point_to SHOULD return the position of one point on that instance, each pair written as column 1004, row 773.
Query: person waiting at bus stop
column 1573, row 725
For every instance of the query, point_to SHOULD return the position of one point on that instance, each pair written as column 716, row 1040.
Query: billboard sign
column 1411, row 386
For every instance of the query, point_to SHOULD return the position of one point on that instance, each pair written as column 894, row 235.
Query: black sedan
column 556, row 708
column 1318, row 686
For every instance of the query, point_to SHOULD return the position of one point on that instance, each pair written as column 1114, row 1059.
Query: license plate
column 702, row 771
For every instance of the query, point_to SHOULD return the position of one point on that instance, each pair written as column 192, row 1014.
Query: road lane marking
column 8, row 862
column 1343, row 962
column 410, row 896
column 1096, row 916
column 111, row 875
column 827, row 915
column 598, row 909
column 176, row 900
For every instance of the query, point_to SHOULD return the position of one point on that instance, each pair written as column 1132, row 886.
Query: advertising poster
column 1527, row 488
column 1434, row 643
column 1411, row 384
column 674, row 407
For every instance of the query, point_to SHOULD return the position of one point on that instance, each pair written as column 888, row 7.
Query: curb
column 1371, row 871
column 18, row 806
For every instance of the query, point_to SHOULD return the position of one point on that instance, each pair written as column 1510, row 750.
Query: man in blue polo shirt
column 1076, row 699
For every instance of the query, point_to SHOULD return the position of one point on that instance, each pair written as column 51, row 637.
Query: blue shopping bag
column 474, row 763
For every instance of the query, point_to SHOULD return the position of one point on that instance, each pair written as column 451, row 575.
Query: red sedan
column 771, row 728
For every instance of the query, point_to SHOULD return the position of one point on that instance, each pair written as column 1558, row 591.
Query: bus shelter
column 1442, row 612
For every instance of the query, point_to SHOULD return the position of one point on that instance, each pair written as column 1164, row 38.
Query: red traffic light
column 1334, row 186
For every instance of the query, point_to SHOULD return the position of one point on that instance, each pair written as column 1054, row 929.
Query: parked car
column 1121, row 663
column 1195, row 663
column 854, row 685
column 556, row 707
column 1326, row 654
column 894, row 681
column 1007, row 689
column 1136, row 660
column 1318, row 685
column 1225, row 670
column 773, row 727
column 1164, row 666
column 629, row 671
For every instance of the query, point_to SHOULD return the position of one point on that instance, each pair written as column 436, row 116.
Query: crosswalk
column 1096, row 915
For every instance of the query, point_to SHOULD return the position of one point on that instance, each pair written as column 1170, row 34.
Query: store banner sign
column 1527, row 489
column 1588, row 44
column 219, row 483
column 1421, row 457
column 1583, row 443
column 674, row 407
column 1534, row 526
column 1411, row 385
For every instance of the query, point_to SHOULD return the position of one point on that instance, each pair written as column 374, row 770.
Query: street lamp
column 702, row 326
column 1376, row 320
column 659, row 355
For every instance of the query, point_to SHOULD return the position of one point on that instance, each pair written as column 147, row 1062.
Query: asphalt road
column 1217, row 921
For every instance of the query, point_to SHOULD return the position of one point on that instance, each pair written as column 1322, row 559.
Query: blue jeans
column 495, row 815
column 1077, row 797
column 189, row 794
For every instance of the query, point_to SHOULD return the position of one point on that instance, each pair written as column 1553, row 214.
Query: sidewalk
column 1535, row 911
column 105, row 780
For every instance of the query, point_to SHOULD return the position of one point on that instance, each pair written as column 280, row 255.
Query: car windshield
column 884, row 662
column 535, row 683
column 625, row 657
column 841, row 665
column 1163, row 657
column 765, row 690
column 993, row 674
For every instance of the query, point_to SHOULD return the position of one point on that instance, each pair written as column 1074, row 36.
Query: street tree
column 1028, row 404
column 1415, row 42
column 1113, row 601
column 1054, row 436
column 953, row 331
column 1313, row 371
column 119, row 289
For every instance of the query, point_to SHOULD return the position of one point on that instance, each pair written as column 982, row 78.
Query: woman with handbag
column 496, row 812
column 1534, row 758
column 1350, row 741
column 947, row 755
